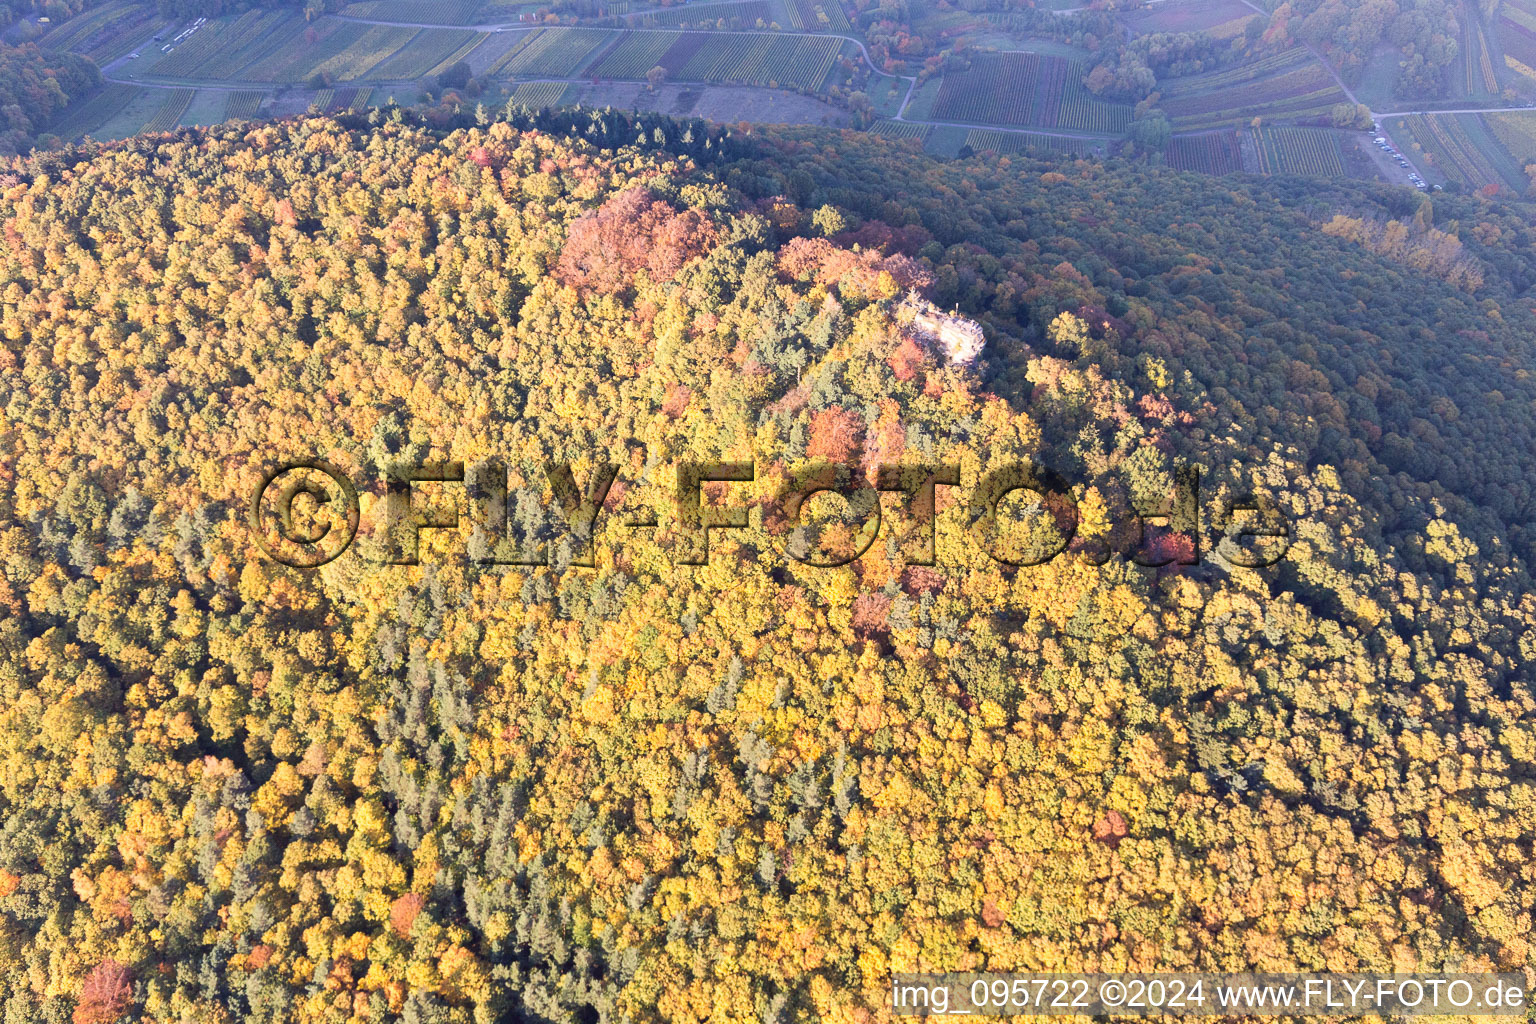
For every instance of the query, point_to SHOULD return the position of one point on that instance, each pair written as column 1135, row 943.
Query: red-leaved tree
column 631, row 232
column 105, row 995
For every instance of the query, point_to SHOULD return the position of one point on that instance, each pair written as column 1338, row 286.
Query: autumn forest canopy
column 467, row 790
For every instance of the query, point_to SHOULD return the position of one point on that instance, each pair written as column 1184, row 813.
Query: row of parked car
column 1402, row 161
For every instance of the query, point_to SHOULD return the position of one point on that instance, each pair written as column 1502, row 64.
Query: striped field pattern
column 243, row 105
column 986, row 140
column 551, row 52
column 170, row 113
column 899, row 129
column 1208, row 153
column 537, row 95
column 1297, row 151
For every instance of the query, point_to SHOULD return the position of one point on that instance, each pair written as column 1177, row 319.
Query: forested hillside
column 467, row 790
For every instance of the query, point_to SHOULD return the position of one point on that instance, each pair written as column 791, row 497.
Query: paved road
column 1459, row 110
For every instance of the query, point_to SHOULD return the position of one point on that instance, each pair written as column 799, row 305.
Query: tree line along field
column 1026, row 89
column 800, row 62
column 1292, row 84
column 1464, row 149
column 1215, row 152
column 1286, row 150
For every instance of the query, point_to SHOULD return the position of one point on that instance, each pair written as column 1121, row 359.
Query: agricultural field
column 429, row 52
column 362, row 98
column 225, row 48
column 463, row 53
column 636, row 54
column 551, row 53
column 125, row 40
column 1516, row 131
column 737, row 15
column 899, row 129
column 1213, row 16
column 797, row 62
column 1292, row 85
column 537, row 95
column 86, row 117
column 171, row 110
column 1215, row 152
column 1476, row 60
column 1464, row 149
column 810, row 16
column 1288, row 150
column 439, row 12
column 243, row 104
column 1027, row 89
column 80, row 32
column 1517, row 36
column 983, row 140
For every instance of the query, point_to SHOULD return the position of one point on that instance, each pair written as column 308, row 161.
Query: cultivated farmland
column 1460, row 147
column 470, row 45
column 1215, row 152
column 552, row 52
column 899, row 129
column 799, row 62
column 426, row 53
column 1516, row 131
column 216, row 45
column 122, row 39
column 741, row 14
column 1190, row 16
column 636, row 54
column 810, row 16
column 1291, row 85
column 78, row 33
column 1032, row 89
column 243, row 105
column 1517, row 36
column 169, row 114
column 537, row 95
column 227, row 48
column 983, row 140
column 1476, row 61
column 87, row 117
column 1296, row 151
column 440, row 12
